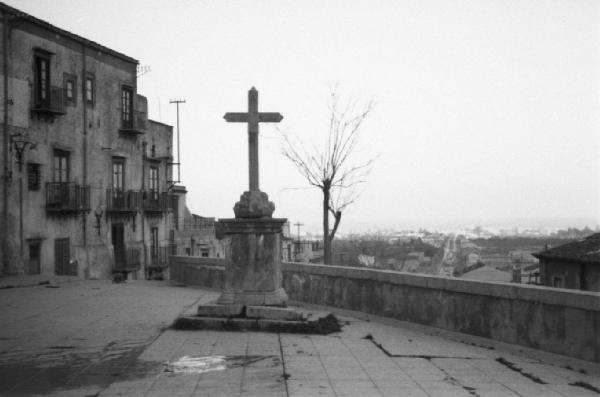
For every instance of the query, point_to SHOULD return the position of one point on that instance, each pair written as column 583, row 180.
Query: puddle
column 199, row 365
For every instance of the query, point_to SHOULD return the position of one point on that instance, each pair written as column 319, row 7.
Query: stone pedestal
column 253, row 262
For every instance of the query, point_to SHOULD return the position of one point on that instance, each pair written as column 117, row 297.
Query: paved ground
column 90, row 338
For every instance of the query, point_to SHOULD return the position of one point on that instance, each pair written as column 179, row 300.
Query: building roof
column 487, row 273
column 46, row 25
column 585, row 250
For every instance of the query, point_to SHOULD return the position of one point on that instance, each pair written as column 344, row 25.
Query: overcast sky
column 488, row 111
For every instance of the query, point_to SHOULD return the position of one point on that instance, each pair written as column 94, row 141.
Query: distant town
column 477, row 253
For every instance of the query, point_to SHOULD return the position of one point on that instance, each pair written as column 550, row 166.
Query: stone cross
column 253, row 117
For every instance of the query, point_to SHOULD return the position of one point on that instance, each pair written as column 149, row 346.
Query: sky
column 487, row 112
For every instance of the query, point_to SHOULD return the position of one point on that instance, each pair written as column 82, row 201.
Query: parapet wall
column 556, row 320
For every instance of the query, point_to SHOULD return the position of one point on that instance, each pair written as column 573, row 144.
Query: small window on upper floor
column 90, row 89
column 70, row 88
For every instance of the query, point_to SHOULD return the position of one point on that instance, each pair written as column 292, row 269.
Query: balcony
column 52, row 105
column 122, row 201
column 156, row 202
column 127, row 259
column 67, row 197
column 135, row 125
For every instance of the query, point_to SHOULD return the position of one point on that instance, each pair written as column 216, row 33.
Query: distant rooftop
column 585, row 250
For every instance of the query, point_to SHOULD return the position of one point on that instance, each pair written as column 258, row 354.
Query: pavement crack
column 453, row 381
column 285, row 375
column 585, row 385
column 512, row 366
column 425, row 356
column 378, row 345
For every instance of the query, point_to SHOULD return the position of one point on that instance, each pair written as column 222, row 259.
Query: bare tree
column 333, row 168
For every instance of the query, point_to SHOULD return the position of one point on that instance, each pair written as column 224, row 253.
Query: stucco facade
column 86, row 175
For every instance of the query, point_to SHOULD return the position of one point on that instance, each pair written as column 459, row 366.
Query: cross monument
column 253, row 117
column 253, row 256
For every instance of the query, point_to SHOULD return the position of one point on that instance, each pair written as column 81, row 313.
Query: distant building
column 302, row 250
column 194, row 235
column 574, row 265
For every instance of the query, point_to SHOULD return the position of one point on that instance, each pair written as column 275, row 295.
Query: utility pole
column 298, row 224
column 178, row 163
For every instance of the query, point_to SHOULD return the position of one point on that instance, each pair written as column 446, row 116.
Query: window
column 33, row 176
column 70, row 88
column 89, row 89
column 154, row 182
column 127, row 107
column 118, row 174
column 61, row 166
column 204, row 252
column 42, row 79
column 557, row 282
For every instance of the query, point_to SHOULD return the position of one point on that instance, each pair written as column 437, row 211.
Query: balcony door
column 61, row 166
column 58, row 190
column 118, row 182
column 118, row 242
column 154, row 183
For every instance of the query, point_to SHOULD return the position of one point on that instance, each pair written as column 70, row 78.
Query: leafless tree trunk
column 332, row 168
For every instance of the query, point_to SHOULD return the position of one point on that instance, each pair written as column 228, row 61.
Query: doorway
column 62, row 255
column 33, row 266
column 118, row 242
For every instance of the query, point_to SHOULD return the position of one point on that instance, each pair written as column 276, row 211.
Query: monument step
column 216, row 310
column 323, row 323
column 274, row 313
column 257, row 312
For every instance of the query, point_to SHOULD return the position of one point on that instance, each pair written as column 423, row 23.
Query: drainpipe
column 5, row 175
column 144, row 145
column 84, row 217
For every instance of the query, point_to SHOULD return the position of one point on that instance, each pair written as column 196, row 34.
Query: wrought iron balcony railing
column 123, row 200
column 64, row 197
column 135, row 124
column 53, row 104
column 157, row 202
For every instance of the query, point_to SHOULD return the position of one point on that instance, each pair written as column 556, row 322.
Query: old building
column 86, row 177
column 574, row 265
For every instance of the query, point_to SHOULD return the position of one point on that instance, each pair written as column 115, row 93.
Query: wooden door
column 118, row 241
column 61, row 256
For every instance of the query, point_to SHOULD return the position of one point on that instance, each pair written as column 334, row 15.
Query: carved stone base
column 253, row 262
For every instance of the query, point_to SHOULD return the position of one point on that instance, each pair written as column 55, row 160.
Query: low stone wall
column 556, row 320
column 206, row 272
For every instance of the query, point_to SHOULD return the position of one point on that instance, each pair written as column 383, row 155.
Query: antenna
column 178, row 163
column 142, row 70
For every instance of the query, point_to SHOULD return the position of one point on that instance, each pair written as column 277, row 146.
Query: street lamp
column 20, row 144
